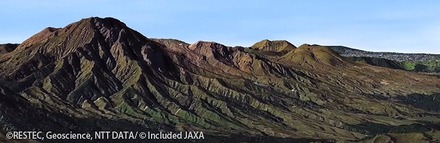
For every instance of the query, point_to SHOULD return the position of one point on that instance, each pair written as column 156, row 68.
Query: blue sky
column 392, row 25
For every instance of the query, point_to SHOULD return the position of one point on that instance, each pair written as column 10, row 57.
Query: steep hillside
column 98, row 74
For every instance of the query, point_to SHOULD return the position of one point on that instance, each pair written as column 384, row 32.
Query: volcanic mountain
column 98, row 74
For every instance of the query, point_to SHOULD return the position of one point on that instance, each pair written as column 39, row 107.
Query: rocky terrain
column 98, row 74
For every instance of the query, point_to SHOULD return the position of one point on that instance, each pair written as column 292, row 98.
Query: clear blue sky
column 375, row 25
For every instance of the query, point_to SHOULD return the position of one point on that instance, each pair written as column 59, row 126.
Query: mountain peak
column 201, row 44
column 107, row 21
column 40, row 36
column 89, row 34
column 314, row 55
column 273, row 46
column 81, row 29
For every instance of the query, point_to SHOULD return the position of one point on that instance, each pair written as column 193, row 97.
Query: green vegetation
column 409, row 65
column 422, row 66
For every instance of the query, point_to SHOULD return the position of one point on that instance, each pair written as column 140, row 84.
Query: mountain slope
column 99, row 70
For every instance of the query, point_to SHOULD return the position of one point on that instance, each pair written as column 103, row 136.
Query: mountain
column 99, row 74
column 313, row 56
column 278, row 47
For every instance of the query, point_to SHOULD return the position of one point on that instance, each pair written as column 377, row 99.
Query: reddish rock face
column 41, row 36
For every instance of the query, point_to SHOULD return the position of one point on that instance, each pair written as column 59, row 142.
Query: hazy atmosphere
column 395, row 26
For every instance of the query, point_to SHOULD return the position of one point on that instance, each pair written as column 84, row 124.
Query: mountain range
column 99, row 74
